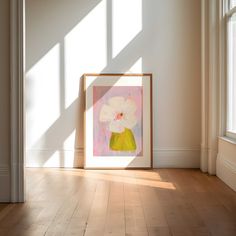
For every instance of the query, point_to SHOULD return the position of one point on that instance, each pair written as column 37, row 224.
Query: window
column 232, row 3
column 231, row 69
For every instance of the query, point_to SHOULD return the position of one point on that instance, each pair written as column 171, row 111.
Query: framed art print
column 118, row 120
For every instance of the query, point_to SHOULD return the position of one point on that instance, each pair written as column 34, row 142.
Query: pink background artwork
column 101, row 132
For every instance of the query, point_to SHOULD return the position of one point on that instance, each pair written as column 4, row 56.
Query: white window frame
column 229, row 13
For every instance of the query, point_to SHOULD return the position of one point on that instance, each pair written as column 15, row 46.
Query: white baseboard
column 168, row 158
column 226, row 171
column 182, row 158
column 5, row 181
column 204, row 158
column 58, row 158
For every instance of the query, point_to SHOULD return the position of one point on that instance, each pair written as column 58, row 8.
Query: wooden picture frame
column 118, row 121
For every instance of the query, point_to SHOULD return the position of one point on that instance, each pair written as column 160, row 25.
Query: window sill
column 228, row 139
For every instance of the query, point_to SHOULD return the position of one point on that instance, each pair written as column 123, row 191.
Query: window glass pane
column 232, row 74
column 232, row 3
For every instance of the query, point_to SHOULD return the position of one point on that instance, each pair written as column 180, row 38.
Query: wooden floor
column 122, row 202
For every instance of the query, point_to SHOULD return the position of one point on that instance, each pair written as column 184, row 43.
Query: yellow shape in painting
column 123, row 141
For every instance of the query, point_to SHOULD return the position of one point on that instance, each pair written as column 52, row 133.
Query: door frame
column 17, row 68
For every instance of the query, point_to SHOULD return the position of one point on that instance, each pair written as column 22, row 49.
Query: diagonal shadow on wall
column 73, row 114
column 170, row 47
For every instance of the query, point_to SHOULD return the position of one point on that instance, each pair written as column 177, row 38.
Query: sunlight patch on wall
column 61, row 158
column 69, row 143
column 42, row 95
column 137, row 67
column 53, row 160
column 85, row 50
column 127, row 23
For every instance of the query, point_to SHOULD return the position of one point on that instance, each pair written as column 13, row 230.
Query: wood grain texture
column 165, row 202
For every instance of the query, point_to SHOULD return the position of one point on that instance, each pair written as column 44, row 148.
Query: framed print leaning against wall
column 118, row 121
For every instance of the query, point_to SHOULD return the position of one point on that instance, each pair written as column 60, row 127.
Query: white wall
column 65, row 39
column 4, row 101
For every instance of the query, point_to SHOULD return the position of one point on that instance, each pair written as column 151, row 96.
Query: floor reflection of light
column 121, row 177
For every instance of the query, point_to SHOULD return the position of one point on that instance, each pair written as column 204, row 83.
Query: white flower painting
column 119, row 113
column 117, row 121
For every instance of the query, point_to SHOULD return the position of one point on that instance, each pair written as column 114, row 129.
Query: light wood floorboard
column 163, row 202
